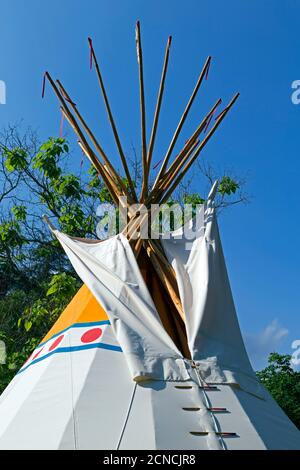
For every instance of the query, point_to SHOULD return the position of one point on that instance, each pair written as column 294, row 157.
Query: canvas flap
column 213, row 331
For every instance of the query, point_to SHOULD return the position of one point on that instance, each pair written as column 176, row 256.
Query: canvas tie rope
column 211, row 116
column 220, row 114
column 207, row 71
column 66, row 97
column 44, row 85
column 61, row 125
column 127, row 416
column 204, row 385
column 156, row 165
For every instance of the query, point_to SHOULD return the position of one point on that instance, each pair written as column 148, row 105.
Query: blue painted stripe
column 76, row 325
column 73, row 349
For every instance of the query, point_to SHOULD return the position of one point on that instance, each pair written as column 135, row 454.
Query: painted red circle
column 38, row 353
column 91, row 335
column 56, row 342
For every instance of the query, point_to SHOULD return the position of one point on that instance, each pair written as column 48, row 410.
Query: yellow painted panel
column 83, row 308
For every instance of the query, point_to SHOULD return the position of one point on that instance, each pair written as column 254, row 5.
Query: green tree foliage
column 36, row 279
column 284, row 384
column 27, row 316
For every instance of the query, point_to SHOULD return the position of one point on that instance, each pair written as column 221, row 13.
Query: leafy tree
column 284, row 384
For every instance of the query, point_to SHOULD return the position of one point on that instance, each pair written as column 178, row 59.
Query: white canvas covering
column 148, row 396
column 111, row 272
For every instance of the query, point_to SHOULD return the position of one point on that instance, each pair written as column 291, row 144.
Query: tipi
column 149, row 354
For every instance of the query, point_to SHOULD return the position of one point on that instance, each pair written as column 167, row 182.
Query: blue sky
column 255, row 47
